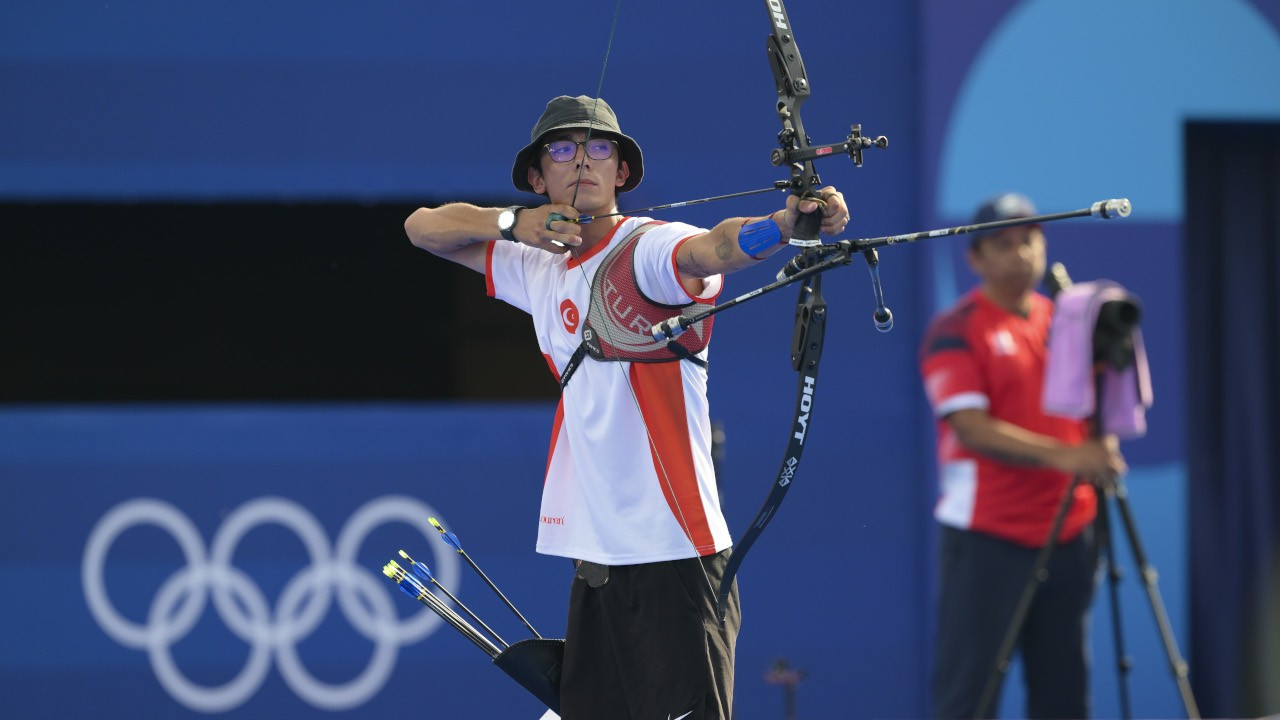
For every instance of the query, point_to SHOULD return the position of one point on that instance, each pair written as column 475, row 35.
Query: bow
column 796, row 152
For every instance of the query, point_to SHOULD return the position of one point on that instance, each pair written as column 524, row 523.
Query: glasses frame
column 613, row 145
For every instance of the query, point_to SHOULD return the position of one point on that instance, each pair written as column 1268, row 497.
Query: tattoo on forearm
column 689, row 265
column 724, row 249
column 465, row 242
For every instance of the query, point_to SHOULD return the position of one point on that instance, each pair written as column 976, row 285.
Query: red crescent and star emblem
column 569, row 316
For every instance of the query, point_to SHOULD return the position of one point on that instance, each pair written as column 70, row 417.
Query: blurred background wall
column 230, row 389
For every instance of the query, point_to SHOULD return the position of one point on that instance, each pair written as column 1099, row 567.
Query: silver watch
column 507, row 222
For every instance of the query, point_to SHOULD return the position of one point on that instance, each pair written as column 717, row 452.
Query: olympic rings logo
column 239, row 602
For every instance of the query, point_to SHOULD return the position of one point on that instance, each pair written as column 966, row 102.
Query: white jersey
column 608, row 495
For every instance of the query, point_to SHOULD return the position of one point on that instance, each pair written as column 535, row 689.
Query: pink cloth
column 1069, row 376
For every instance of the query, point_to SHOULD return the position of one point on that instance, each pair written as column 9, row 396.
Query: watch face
column 506, row 219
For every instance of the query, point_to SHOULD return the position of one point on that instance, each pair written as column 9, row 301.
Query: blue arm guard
column 759, row 235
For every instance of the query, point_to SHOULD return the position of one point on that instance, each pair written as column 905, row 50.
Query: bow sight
column 853, row 145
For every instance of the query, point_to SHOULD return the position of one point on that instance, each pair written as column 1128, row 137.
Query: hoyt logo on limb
column 806, row 402
column 779, row 18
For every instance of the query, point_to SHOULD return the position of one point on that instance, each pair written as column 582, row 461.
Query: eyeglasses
column 563, row 151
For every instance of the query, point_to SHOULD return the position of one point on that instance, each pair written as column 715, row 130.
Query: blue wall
column 100, row 596
column 384, row 101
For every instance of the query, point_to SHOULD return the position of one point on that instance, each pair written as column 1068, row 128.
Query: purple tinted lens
column 599, row 149
column 562, row 150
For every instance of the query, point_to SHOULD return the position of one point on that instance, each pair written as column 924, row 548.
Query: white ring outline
column 142, row 511
column 234, row 692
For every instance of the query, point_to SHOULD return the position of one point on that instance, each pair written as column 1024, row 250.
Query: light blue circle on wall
column 1071, row 102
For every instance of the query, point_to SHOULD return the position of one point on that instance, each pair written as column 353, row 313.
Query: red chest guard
column 620, row 317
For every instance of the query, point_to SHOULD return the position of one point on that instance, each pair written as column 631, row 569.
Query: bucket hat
column 578, row 112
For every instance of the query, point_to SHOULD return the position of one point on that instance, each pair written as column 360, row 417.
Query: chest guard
column 620, row 317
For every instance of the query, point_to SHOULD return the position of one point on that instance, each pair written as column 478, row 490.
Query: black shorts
column 647, row 645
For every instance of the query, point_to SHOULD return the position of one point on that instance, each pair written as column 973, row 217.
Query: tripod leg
column 1039, row 573
column 1147, row 573
column 1123, row 662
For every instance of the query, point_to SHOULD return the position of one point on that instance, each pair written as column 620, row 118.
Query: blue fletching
column 408, row 590
column 448, row 536
column 421, row 571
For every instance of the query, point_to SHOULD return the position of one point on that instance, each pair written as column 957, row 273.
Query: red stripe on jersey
column 488, row 270
column 552, row 364
column 577, row 260
column 555, row 437
column 659, row 391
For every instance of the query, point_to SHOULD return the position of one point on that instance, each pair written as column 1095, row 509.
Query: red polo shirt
column 979, row 355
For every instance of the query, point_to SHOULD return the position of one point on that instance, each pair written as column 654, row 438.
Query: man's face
column 595, row 182
column 1012, row 259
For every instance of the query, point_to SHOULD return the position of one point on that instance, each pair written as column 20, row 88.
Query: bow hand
column 827, row 210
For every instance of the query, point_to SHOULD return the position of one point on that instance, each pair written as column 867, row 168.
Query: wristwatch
column 507, row 222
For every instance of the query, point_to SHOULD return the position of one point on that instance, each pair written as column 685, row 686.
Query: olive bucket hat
column 580, row 112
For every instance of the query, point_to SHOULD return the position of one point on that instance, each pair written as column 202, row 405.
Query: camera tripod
column 1112, row 345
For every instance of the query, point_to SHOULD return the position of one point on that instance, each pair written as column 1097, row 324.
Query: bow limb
column 806, row 353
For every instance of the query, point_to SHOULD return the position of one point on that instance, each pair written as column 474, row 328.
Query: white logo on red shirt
column 569, row 316
column 1002, row 343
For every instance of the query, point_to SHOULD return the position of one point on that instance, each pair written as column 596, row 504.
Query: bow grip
column 805, row 231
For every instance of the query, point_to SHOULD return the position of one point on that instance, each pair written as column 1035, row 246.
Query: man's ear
column 624, row 172
column 535, row 179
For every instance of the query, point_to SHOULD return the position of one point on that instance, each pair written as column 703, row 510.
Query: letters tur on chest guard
column 619, row 317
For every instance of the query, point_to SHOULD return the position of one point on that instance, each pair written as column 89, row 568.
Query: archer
column 629, row 483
